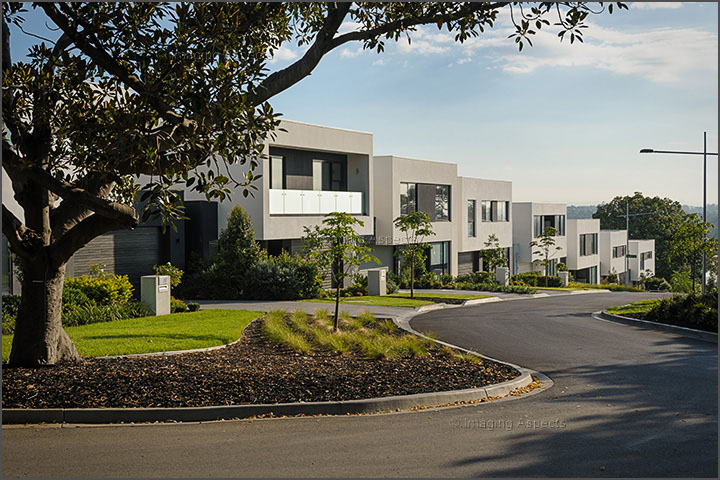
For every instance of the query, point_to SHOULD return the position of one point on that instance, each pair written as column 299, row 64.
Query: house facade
column 641, row 259
column 583, row 249
column 530, row 220
column 463, row 211
column 613, row 251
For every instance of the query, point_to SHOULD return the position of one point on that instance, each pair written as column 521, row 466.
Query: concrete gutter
column 636, row 322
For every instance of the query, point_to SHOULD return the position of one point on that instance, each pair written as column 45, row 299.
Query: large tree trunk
column 39, row 336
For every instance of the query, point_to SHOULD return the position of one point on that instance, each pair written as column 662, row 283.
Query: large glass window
column 538, row 225
column 500, row 211
column 442, row 203
column 588, row 244
column 439, row 258
column 618, row 251
column 560, row 225
column 408, row 198
column 471, row 218
column 486, row 211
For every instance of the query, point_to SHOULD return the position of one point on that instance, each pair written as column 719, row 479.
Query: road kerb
column 664, row 327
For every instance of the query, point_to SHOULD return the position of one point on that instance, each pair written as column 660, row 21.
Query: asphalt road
column 626, row 402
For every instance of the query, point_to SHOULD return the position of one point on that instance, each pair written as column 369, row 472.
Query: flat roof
column 325, row 126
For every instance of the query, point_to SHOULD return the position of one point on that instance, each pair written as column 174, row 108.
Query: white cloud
column 664, row 55
column 655, row 5
column 464, row 60
column 379, row 62
column 351, row 52
column 283, row 54
column 347, row 27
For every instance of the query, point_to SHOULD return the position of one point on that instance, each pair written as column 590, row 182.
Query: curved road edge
column 664, row 327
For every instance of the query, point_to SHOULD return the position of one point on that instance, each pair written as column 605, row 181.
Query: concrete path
column 626, row 402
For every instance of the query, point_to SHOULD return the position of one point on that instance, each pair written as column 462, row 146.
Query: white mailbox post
column 155, row 293
column 564, row 276
column 501, row 275
column 377, row 281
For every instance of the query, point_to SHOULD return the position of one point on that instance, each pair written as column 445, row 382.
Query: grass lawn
column 643, row 306
column 384, row 301
column 397, row 299
column 441, row 295
column 178, row 331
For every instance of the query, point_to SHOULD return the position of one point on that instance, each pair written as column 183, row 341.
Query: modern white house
column 308, row 171
column 641, row 259
column 583, row 249
column 613, row 249
column 530, row 220
column 485, row 209
column 464, row 212
column 404, row 185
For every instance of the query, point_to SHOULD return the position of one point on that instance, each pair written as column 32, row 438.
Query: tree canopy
column 660, row 226
column 159, row 89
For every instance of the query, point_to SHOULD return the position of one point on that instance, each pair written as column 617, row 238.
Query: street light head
column 647, row 150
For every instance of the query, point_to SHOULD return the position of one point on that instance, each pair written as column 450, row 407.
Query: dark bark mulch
column 254, row 370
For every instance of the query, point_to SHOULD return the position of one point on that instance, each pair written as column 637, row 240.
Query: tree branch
column 124, row 215
column 109, row 64
column 69, row 214
column 80, row 235
column 285, row 78
column 24, row 242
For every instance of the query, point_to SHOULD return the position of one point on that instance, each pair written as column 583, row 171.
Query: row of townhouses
column 309, row 171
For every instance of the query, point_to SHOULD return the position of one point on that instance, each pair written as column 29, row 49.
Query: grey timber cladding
column 465, row 262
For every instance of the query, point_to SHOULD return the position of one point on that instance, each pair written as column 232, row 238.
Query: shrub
column 174, row 273
column 446, row 279
column 535, row 279
column 284, row 277
column 681, row 282
column 390, row 286
column 92, row 312
column 428, row 280
column 476, row 277
column 657, row 283
column 693, row 311
column 561, row 267
column 73, row 296
column 177, row 306
column 193, row 306
column 358, row 288
column 104, row 290
column 10, row 305
column 237, row 250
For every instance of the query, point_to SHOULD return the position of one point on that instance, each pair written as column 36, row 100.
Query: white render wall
column 636, row 248
column 522, row 227
column 480, row 189
column 358, row 146
column 390, row 171
column 575, row 228
column 608, row 240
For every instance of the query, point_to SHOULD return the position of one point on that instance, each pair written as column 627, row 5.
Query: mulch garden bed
column 251, row 371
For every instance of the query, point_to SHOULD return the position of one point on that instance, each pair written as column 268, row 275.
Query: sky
column 563, row 122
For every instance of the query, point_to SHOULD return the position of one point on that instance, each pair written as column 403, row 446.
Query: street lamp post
column 704, row 153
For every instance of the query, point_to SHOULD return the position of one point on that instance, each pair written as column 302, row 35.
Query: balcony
column 314, row 202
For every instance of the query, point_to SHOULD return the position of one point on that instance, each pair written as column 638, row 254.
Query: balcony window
column 471, row 218
column 618, row 251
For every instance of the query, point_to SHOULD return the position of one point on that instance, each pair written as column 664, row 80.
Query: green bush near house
column 657, row 283
column 612, row 288
column 103, row 289
column 535, row 279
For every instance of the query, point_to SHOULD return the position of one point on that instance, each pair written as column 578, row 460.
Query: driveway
column 626, row 402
